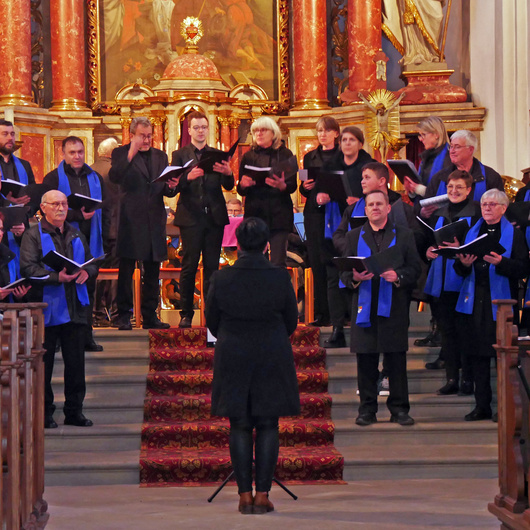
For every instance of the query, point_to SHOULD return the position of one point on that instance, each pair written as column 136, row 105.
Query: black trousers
column 278, row 247
column 150, row 288
column 314, row 252
column 72, row 339
column 204, row 237
column 395, row 364
column 481, row 371
column 447, row 318
column 266, row 450
column 337, row 298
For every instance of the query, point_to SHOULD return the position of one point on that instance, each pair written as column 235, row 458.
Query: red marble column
column 68, row 54
column 310, row 54
column 125, row 133
column 158, row 132
column 234, row 135
column 15, row 50
column 364, row 41
column 225, row 133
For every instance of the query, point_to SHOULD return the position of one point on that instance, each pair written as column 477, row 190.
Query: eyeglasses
column 456, row 147
column 200, row 127
column 57, row 205
column 146, row 136
column 456, row 188
column 490, row 204
column 261, row 130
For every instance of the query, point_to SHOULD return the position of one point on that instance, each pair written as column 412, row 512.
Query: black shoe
column 78, row 420
column 477, row 415
column 439, row 364
column 124, row 322
column 451, row 387
column 366, row 419
column 432, row 340
column 337, row 339
column 50, row 423
column 466, row 388
column 495, row 418
column 155, row 324
column 402, row 418
column 185, row 322
column 320, row 322
column 93, row 346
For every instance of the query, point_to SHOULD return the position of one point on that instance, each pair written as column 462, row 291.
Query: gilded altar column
column 364, row 42
column 125, row 134
column 15, row 50
column 225, row 132
column 234, row 124
column 310, row 55
column 68, row 54
column 158, row 131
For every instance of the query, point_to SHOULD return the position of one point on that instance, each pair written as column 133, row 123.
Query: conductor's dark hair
column 6, row 123
column 252, row 234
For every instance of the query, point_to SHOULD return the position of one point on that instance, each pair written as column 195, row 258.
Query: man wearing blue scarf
column 74, row 176
column 65, row 318
column 380, row 310
column 493, row 277
column 12, row 167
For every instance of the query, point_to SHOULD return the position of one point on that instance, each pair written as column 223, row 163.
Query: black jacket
column 251, row 309
column 273, row 206
column 386, row 334
column 30, row 265
column 202, row 192
column 354, row 171
column 143, row 219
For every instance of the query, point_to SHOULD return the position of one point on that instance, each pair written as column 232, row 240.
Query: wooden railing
column 22, row 412
column 511, row 505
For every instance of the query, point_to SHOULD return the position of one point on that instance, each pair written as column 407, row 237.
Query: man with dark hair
column 201, row 212
column 12, row 167
column 380, row 316
column 65, row 318
column 74, row 176
column 142, row 224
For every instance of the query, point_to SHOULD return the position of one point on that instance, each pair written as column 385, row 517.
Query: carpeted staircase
column 182, row 445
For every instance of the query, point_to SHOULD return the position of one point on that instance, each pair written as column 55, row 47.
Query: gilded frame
column 277, row 106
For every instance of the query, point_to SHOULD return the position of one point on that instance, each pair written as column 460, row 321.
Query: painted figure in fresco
column 414, row 28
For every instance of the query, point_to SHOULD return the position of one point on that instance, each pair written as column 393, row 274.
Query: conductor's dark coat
column 142, row 224
column 386, row 334
column 251, row 309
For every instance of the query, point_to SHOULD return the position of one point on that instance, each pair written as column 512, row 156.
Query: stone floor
column 372, row 505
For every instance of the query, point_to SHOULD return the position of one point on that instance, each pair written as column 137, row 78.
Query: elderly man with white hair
column 462, row 147
column 65, row 318
column 492, row 277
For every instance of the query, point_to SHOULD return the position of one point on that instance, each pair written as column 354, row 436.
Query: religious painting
column 133, row 41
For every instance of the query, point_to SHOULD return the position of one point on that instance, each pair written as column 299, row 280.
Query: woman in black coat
column 271, row 202
column 495, row 276
column 251, row 309
column 328, row 132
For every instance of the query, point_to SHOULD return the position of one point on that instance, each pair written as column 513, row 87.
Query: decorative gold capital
column 234, row 123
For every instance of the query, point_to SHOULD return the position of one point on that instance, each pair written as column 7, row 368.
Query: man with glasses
column 201, row 212
column 461, row 150
column 74, row 176
column 65, row 318
column 142, row 223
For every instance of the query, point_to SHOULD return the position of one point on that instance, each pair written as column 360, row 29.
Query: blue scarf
column 22, row 175
column 358, row 209
column 332, row 219
column 55, row 295
column 364, row 303
column 452, row 281
column 480, row 187
column 499, row 285
column 438, row 163
column 96, row 235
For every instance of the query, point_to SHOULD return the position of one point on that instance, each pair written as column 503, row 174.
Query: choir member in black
column 328, row 132
column 493, row 277
column 271, row 202
column 351, row 159
column 433, row 136
column 380, row 316
column 201, row 212
column 65, row 317
column 12, row 167
column 443, row 284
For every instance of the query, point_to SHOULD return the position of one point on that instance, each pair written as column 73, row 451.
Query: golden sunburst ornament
column 191, row 30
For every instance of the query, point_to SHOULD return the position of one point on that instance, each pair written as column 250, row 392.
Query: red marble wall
column 34, row 151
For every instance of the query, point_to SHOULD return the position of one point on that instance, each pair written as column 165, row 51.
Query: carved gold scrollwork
column 37, row 54
column 283, row 53
column 339, row 38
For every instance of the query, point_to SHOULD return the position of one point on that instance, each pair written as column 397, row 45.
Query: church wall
column 499, row 66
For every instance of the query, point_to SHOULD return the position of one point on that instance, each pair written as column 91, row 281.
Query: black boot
column 432, row 340
column 337, row 338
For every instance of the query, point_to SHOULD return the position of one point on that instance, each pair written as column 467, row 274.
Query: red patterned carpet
column 182, row 445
